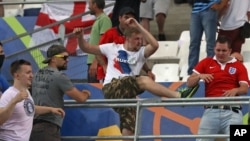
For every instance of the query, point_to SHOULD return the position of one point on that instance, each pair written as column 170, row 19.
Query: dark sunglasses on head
column 65, row 57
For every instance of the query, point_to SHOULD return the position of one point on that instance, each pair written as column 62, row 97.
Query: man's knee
column 160, row 15
column 143, row 81
column 145, row 20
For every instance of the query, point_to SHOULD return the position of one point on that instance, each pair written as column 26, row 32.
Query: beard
column 64, row 67
column 91, row 12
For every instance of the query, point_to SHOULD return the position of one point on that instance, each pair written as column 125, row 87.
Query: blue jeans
column 215, row 121
column 203, row 21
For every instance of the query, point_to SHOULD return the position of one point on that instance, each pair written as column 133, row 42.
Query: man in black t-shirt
column 119, row 4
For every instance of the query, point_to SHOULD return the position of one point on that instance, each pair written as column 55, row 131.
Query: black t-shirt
column 119, row 4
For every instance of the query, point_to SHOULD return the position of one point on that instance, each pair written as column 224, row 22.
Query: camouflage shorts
column 124, row 88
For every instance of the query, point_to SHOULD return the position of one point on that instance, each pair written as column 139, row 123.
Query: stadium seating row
column 170, row 62
column 19, row 9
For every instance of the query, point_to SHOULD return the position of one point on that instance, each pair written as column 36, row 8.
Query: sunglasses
column 64, row 57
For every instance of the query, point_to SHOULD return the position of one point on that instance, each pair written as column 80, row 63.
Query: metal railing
column 138, row 103
column 156, row 102
column 39, row 2
column 58, row 40
column 49, row 26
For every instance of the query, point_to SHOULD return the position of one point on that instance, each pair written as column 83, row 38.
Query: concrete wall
column 177, row 20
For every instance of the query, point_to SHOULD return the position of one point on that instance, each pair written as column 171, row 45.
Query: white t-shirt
column 18, row 127
column 122, row 62
column 236, row 14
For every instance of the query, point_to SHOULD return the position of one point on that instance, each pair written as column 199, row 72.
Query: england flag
column 53, row 12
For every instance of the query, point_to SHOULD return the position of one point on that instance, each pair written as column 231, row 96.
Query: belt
column 37, row 121
column 224, row 107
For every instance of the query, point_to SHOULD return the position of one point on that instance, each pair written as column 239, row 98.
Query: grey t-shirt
column 48, row 88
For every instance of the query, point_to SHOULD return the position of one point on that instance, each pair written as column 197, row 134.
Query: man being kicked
column 125, row 61
column 224, row 76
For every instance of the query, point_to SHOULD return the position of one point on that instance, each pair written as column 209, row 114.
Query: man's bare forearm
column 6, row 112
column 150, row 39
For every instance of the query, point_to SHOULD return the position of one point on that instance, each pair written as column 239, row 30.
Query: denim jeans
column 215, row 121
column 205, row 21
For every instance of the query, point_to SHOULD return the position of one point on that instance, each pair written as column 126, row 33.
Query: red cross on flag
column 53, row 12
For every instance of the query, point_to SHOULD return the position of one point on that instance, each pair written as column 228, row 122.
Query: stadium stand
column 170, row 116
column 12, row 10
column 246, row 45
column 167, row 72
column 166, row 53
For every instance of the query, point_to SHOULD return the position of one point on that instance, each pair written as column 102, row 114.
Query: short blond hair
column 129, row 31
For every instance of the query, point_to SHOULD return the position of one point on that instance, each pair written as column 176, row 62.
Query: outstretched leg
column 146, row 83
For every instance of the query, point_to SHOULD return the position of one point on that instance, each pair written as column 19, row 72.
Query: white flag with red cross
column 53, row 12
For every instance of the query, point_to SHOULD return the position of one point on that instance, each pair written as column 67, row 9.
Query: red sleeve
column 107, row 37
column 243, row 76
column 201, row 66
column 112, row 36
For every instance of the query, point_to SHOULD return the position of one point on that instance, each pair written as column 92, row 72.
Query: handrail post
column 248, row 120
column 139, row 114
column 137, row 123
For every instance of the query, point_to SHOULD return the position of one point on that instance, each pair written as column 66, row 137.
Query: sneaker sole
column 193, row 91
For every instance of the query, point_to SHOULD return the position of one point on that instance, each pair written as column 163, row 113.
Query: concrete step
column 178, row 19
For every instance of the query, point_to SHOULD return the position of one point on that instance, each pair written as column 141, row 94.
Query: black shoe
column 189, row 92
column 161, row 37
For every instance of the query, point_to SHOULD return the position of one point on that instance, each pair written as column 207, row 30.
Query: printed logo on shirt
column 121, row 62
column 29, row 107
column 132, row 60
column 211, row 67
column 232, row 70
